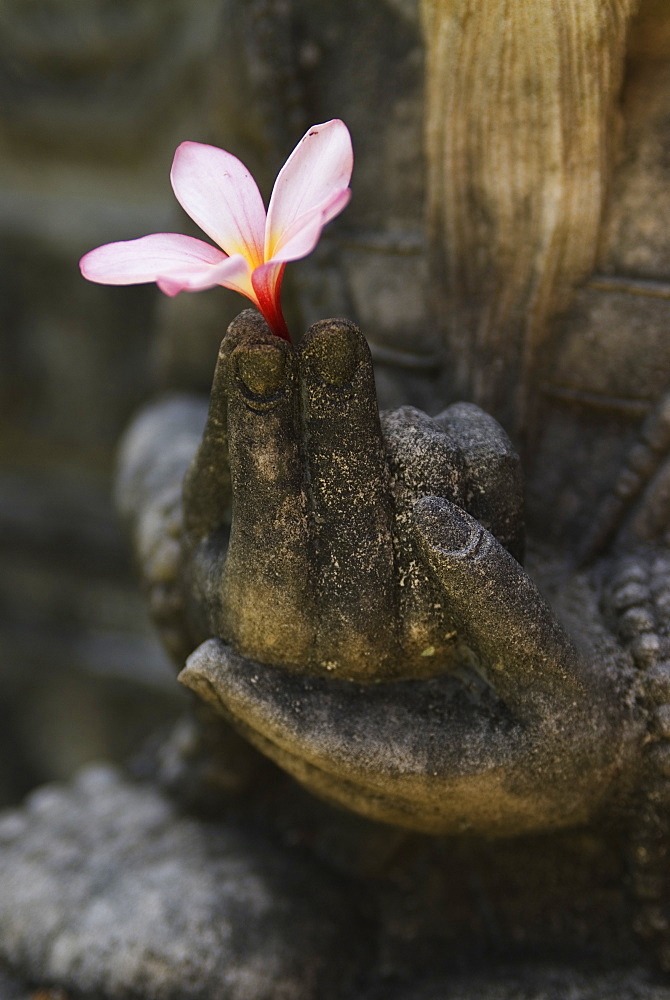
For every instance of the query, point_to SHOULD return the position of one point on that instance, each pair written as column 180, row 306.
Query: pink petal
column 302, row 237
column 312, row 180
column 176, row 262
column 233, row 272
column 132, row 262
column 219, row 193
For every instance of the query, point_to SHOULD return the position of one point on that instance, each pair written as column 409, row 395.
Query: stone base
column 540, row 982
column 108, row 892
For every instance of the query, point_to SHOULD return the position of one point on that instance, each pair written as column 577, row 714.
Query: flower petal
column 232, row 272
column 267, row 280
column 219, row 193
column 302, row 237
column 133, row 262
column 313, row 177
column 176, row 262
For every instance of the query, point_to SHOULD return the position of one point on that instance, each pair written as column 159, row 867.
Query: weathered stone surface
column 298, row 539
column 540, row 982
column 107, row 892
column 331, row 560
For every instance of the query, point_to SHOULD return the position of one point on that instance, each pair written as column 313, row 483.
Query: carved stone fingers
column 207, row 486
column 350, row 505
column 265, row 588
column 306, row 577
column 517, row 740
column 519, row 645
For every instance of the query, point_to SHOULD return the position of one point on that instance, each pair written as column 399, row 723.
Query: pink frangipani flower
column 219, row 193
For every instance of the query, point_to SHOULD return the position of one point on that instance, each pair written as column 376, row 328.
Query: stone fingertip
column 261, row 368
column 247, row 327
column 445, row 528
column 333, row 350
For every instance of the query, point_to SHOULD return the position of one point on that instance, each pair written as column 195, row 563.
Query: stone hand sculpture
column 353, row 589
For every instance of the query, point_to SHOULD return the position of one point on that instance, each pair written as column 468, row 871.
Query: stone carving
column 318, row 542
column 219, row 930
column 370, row 635
column 347, row 590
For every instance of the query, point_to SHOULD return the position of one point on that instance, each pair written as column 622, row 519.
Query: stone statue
column 352, row 592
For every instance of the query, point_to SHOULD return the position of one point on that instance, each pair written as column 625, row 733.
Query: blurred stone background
column 85, row 115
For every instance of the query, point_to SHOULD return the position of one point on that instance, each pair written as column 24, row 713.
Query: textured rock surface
column 107, row 893
column 541, row 983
